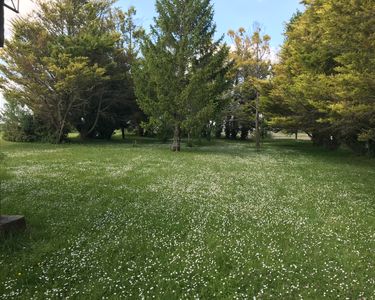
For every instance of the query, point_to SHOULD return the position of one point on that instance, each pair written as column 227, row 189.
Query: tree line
column 324, row 83
column 85, row 66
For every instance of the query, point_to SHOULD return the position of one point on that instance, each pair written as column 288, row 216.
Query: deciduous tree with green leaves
column 181, row 79
column 66, row 62
column 252, row 67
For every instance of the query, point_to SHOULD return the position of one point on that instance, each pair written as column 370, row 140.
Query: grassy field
column 118, row 220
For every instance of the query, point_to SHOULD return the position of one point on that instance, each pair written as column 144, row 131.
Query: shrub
column 18, row 124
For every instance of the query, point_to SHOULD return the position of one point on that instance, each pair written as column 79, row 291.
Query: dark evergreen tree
column 181, row 80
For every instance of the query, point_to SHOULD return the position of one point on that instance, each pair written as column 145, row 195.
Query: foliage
column 324, row 83
column 18, row 124
column 66, row 62
column 181, row 79
column 251, row 69
column 121, row 109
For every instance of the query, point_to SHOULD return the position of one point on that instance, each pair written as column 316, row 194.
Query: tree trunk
column 123, row 133
column 97, row 116
column 257, row 127
column 59, row 137
column 176, row 146
column 309, row 135
column 296, row 135
column 83, row 134
column 189, row 141
column 371, row 148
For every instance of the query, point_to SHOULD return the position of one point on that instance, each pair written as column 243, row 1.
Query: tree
column 17, row 123
column 324, row 82
column 300, row 97
column 182, row 76
column 65, row 63
column 350, row 30
column 123, row 110
column 252, row 67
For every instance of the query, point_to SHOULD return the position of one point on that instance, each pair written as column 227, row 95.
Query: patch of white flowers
column 145, row 224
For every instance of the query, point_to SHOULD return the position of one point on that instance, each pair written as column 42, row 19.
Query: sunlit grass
column 110, row 220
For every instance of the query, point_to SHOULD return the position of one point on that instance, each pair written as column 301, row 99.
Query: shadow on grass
column 286, row 147
column 234, row 148
column 306, row 148
column 131, row 140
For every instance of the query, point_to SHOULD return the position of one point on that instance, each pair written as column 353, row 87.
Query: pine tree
column 182, row 77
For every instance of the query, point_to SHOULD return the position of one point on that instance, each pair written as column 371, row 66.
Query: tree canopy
column 325, row 81
column 68, row 63
column 86, row 65
column 181, row 79
column 252, row 66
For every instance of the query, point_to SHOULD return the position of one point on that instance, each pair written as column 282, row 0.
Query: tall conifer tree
column 324, row 83
column 182, row 77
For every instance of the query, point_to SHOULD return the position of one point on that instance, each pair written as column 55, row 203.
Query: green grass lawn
column 110, row 220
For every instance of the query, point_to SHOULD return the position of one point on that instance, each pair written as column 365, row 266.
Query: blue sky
column 232, row 14
column 229, row 14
